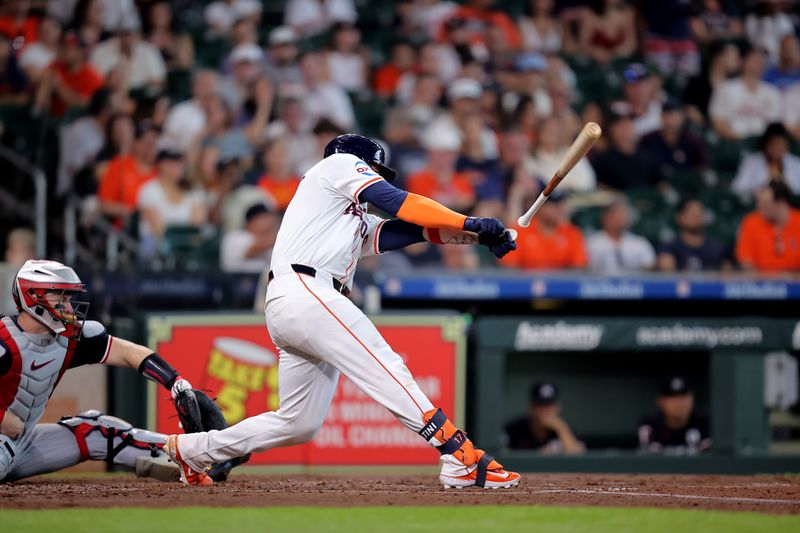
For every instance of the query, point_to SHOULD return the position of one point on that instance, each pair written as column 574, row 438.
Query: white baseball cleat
column 456, row 474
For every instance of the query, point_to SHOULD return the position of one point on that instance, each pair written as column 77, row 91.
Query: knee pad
column 8, row 452
column 111, row 428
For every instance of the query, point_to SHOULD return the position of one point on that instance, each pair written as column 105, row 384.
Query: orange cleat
column 463, row 465
column 189, row 475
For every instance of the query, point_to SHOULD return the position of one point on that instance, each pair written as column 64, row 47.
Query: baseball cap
column 255, row 210
column 282, row 35
column 531, row 62
column 227, row 161
column 635, row 72
column 442, row 137
column 465, row 88
column 675, row 386
column 247, row 52
column 544, row 393
column 169, row 153
column 619, row 110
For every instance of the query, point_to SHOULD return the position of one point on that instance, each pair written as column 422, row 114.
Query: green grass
column 495, row 519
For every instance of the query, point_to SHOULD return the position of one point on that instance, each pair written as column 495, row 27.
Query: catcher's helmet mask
column 364, row 148
column 45, row 290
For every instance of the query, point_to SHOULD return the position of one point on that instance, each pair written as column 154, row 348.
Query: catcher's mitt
column 197, row 412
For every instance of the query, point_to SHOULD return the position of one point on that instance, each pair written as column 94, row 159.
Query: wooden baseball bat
column 582, row 144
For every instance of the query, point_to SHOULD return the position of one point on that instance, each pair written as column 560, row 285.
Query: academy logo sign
column 557, row 336
column 705, row 336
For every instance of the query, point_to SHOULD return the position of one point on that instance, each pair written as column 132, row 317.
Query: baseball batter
column 319, row 332
column 49, row 337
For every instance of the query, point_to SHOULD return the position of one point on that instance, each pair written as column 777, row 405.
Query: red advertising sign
column 233, row 358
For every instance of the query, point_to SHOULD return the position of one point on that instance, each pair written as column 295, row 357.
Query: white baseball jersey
column 325, row 226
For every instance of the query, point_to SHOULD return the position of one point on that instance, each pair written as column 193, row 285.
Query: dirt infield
column 767, row 494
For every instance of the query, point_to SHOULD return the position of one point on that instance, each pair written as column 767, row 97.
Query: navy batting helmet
column 363, row 148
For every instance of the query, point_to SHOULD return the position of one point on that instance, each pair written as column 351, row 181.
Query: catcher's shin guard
column 463, row 465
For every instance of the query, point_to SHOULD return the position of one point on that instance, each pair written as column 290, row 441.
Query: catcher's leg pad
column 441, row 433
column 8, row 452
column 111, row 428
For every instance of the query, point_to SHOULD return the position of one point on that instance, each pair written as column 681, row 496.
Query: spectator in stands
column 120, row 135
column 515, row 148
column 478, row 16
column 324, row 132
column 36, row 57
column 691, row 250
column 221, row 15
column 484, row 173
column 186, row 121
column 323, row 98
column 249, row 249
column 772, row 163
column 668, row 43
column 229, row 196
column 742, row 107
column 309, row 17
column 347, row 60
column 247, row 62
column 82, row 140
column 20, row 246
column 165, row 201
column 551, row 242
column 607, row 31
column 13, row 82
column 387, row 76
column 459, row 258
column 125, row 175
column 674, row 146
column 282, row 67
column 551, row 149
column 711, row 23
column 17, row 24
column 440, row 180
column 622, row 166
column 464, row 101
column 88, row 23
column 562, row 100
column 244, row 31
column 225, row 138
column 405, row 150
column 530, row 73
column 139, row 62
column 543, row 429
column 292, row 125
column 677, row 428
column 724, row 60
column 767, row 25
column 786, row 73
column 614, row 249
column 70, row 81
column 415, row 17
column 175, row 46
column 769, row 237
column 541, row 31
column 641, row 93
column 278, row 179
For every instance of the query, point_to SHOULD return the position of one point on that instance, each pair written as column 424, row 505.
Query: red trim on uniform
column 108, row 350
column 377, row 235
column 67, row 362
column 359, row 342
column 9, row 382
column 364, row 186
column 2, row 415
column 435, row 236
column 80, row 432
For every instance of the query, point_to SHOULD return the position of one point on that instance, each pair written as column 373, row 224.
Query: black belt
column 338, row 286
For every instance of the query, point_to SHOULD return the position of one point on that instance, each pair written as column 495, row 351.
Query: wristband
column 155, row 368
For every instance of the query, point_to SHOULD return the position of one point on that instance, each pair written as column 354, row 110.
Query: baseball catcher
column 318, row 331
column 49, row 336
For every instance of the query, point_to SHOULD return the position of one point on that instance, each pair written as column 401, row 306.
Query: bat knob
column 512, row 233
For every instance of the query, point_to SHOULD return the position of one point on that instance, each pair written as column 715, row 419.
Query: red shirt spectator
column 457, row 192
column 278, row 179
column 769, row 238
column 83, row 80
column 388, row 76
column 548, row 247
column 71, row 81
column 477, row 16
column 19, row 28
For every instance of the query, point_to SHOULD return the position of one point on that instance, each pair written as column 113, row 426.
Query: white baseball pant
column 318, row 332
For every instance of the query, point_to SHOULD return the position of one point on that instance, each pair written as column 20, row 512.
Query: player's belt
column 338, row 286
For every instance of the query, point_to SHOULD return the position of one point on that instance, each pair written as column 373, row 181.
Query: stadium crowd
column 196, row 120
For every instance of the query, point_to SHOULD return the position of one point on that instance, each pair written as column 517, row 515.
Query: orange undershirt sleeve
column 428, row 213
